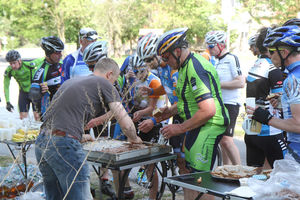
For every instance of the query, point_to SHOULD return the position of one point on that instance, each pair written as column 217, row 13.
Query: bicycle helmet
column 215, row 37
column 252, row 40
column 88, row 33
column 283, row 36
column 12, row 55
column 135, row 62
column 52, row 44
column 95, row 51
column 147, row 46
column 294, row 21
column 171, row 40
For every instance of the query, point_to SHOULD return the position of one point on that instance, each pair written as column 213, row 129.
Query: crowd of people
column 198, row 98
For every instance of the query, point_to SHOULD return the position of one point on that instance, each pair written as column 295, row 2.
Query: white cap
column 88, row 33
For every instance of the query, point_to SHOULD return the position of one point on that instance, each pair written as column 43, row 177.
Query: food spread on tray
column 234, row 171
column 113, row 146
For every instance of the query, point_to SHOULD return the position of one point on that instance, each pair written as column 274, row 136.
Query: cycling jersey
column 74, row 66
column 198, row 81
column 49, row 73
column 168, row 78
column 264, row 78
column 22, row 76
column 228, row 68
column 291, row 95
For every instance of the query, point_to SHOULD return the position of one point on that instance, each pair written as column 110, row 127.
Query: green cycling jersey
column 23, row 76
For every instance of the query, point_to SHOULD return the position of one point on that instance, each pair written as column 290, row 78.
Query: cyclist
column 146, row 50
column 200, row 103
column 231, row 80
column 22, row 72
column 264, row 78
column 73, row 65
column 47, row 74
column 283, row 44
column 252, row 45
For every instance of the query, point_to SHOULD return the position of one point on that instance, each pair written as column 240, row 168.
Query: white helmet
column 252, row 40
column 95, row 51
column 215, row 37
column 135, row 62
column 147, row 46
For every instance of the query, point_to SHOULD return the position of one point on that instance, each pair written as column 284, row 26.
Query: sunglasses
column 149, row 60
column 272, row 50
column 165, row 58
column 211, row 45
column 91, row 66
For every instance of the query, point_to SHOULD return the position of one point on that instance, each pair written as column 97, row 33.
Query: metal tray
column 152, row 149
column 225, row 179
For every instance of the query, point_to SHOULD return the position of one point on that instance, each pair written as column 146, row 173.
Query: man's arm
column 125, row 121
column 289, row 125
column 98, row 121
column 207, row 110
column 237, row 82
column 6, row 83
column 65, row 69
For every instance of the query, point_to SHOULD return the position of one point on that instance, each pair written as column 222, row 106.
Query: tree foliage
column 272, row 10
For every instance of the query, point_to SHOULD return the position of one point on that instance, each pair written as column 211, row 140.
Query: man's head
column 171, row 45
column 252, row 45
column 108, row 68
column 86, row 37
column 216, row 43
column 138, row 67
column 14, row 59
column 283, row 44
column 53, row 47
column 94, row 52
column 146, row 50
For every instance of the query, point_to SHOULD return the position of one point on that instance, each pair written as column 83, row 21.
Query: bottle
column 35, row 92
column 45, row 101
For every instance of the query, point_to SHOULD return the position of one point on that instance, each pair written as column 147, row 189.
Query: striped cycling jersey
column 198, row 81
column 264, row 78
column 291, row 95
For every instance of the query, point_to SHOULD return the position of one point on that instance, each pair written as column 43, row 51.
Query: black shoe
column 107, row 189
column 128, row 193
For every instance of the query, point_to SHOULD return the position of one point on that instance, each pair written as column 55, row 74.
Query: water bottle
column 35, row 92
column 162, row 140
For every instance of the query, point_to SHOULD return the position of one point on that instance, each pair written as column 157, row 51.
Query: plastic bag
column 32, row 196
column 283, row 182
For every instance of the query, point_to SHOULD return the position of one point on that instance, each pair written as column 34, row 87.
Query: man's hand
column 146, row 126
column 274, row 99
column 145, row 90
column 261, row 115
column 172, row 130
column 137, row 116
column 86, row 138
column 136, row 140
column 9, row 107
column 44, row 87
column 94, row 122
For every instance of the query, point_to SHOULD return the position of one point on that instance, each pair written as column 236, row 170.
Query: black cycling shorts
column 24, row 102
column 260, row 147
column 233, row 111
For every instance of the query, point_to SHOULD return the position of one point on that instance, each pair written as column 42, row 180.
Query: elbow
column 211, row 113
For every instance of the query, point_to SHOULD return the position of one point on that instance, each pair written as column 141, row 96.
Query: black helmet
column 294, row 21
column 12, row 55
column 52, row 44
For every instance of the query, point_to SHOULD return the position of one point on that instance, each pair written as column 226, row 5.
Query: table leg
column 199, row 196
column 13, row 155
column 123, row 175
column 24, row 150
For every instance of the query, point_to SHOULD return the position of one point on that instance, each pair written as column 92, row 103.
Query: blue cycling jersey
column 291, row 95
column 74, row 66
column 169, row 79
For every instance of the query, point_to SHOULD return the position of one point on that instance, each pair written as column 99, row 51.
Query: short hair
column 107, row 64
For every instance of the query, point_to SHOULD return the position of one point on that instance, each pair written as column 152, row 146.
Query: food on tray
column 234, row 171
column 267, row 172
column 112, row 146
column 273, row 95
column 157, row 112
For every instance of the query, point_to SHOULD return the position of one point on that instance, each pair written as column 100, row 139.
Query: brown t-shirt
column 78, row 101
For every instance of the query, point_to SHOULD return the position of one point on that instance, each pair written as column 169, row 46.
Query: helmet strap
column 176, row 58
column 221, row 48
column 283, row 59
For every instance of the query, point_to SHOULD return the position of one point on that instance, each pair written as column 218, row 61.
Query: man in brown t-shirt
column 58, row 148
